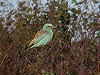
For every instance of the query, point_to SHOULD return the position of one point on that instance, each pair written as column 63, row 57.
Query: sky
column 71, row 5
column 14, row 2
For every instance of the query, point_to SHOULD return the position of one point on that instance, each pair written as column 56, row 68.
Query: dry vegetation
column 74, row 49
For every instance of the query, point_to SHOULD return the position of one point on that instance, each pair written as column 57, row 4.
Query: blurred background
column 74, row 49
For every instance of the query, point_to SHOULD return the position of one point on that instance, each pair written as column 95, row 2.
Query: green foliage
column 73, row 50
column 74, row 1
column 95, row 1
column 21, row 4
column 1, row 3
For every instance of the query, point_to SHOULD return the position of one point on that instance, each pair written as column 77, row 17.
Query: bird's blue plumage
column 43, row 38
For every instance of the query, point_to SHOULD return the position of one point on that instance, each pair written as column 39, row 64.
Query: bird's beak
column 53, row 27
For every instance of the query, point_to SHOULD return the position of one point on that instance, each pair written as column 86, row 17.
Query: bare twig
column 3, row 60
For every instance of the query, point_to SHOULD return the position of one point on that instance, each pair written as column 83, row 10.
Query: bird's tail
column 27, row 49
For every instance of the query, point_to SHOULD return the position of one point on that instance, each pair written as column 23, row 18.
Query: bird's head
column 48, row 26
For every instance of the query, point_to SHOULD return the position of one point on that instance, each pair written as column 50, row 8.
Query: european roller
column 42, row 37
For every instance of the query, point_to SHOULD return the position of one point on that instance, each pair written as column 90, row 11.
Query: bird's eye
column 49, row 26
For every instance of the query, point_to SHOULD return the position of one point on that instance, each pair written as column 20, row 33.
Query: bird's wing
column 45, row 40
column 36, row 36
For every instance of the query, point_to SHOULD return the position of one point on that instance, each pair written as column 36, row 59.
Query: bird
column 42, row 38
